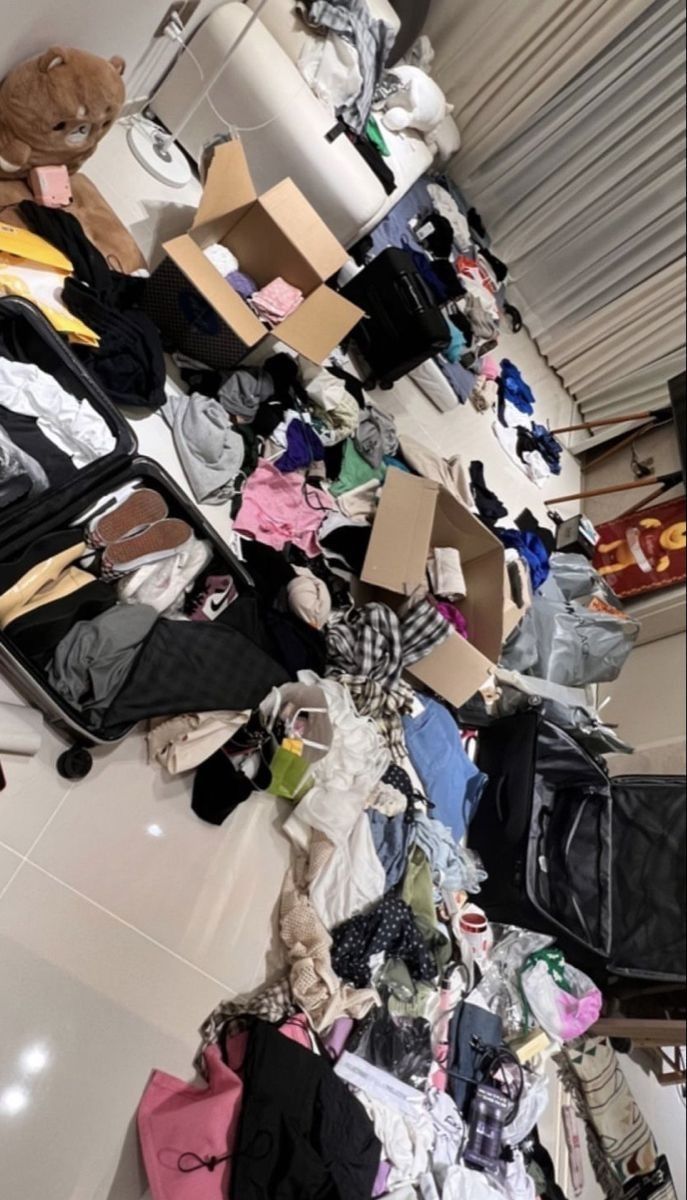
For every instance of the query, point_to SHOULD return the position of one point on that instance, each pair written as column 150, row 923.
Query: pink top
column 489, row 367
column 278, row 508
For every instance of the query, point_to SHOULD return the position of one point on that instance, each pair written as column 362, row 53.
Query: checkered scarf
column 378, row 643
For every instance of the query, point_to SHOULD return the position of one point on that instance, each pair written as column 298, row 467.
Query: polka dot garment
column 388, row 928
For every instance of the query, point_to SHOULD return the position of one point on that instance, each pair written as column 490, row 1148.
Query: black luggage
column 26, row 336
column 598, row 863
column 404, row 327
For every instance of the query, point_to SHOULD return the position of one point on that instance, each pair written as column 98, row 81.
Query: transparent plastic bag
column 499, row 986
column 400, row 1045
column 531, row 1106
column 513, row 946
column 563, row 1011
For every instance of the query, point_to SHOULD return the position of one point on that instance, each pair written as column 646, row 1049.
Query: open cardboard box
column 276, row 234
column 414, row 515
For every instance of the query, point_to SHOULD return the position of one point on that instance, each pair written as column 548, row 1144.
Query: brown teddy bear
column 54, row 109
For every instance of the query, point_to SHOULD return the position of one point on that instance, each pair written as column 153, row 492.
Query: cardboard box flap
column 483, row 604
column 454, row 524
column 227, row 303
column 483, row 559
column 299, row 222
column 229, row 190
column 401, row 534
column 264, row 252
column 319, row 324
column 455, row 670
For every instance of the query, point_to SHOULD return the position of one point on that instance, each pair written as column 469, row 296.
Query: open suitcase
column 598, row 863
column 404, row 326
column 26, row 336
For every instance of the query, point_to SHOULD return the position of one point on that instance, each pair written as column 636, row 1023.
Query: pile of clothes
column 124, row 352
column 450, row 248
column 364, row 1068
column 397, row 997
column 384, row 1026
column 531, row 446
column 350, row 58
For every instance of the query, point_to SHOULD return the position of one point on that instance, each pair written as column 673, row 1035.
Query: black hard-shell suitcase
column 403, row 327
column 598, row 863
column 25, row 335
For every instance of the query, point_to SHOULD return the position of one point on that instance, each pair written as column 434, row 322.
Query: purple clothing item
column 337, row 1037
column 381, row 1184
column 303, row 447
column 242, row 283
column 454, row 617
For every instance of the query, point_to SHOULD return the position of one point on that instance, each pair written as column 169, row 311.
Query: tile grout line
column 25, row 857
column 127, row 925
column 15, row 872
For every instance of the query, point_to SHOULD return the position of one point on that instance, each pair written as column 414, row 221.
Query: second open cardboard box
column 414, row 515
column 276, row 234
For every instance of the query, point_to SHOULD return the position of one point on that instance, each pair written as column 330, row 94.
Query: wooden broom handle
column 601, row 423
column 607, row 491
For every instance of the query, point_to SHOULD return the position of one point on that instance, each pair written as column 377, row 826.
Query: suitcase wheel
column 74, row 763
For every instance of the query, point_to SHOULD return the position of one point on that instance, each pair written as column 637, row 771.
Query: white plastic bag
column 562, row 1014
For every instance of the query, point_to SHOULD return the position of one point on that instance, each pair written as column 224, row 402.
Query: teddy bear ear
column 118, row 64
column 56, row 56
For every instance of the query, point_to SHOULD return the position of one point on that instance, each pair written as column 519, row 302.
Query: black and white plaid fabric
column 377, row 643
column 373, row 39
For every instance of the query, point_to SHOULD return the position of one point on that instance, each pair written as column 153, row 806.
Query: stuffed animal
column 54, row 109
column 419, row 102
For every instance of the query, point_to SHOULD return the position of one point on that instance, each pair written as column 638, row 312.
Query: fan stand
column 157, row 153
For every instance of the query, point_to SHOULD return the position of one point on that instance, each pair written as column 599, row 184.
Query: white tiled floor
column 124, row 919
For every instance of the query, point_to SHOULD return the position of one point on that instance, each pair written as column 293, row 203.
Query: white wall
column 104, row 27
column 664, row 1113
column 648, row 703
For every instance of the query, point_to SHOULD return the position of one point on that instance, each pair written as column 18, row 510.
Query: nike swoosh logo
column 216, row 606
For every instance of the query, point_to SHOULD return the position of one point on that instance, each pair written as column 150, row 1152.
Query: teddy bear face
column 54, row 109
